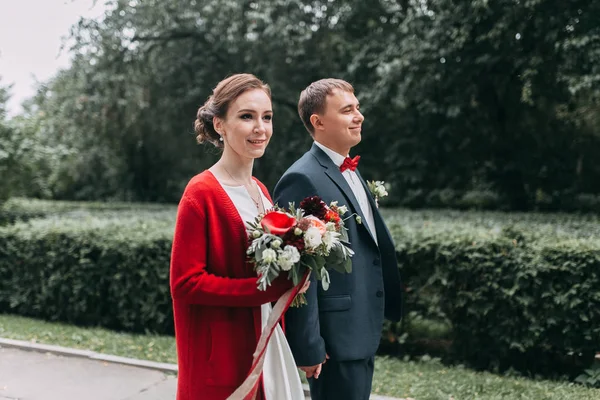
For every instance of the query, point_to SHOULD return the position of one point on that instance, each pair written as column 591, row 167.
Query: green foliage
column 591, row 376
column 518, row 290
column 109, row 270
column 424, row 379
column 24, row 209
column 7, row 144
column 4, row 97
column 7, row 164
column 497, row 290
column 429, row 379
column 26, row 164
column 471, row 94
column 146, row 346
column 486, row 105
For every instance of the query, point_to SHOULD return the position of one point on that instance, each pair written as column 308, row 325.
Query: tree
column 476, row 89
column 6, row 148
column 458, row 96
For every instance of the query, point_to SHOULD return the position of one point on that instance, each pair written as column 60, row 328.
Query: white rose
column 330, row 226
column 342, row 210
column 288, row 257
column 312, row 238
column 276, row 244
column 269, row 256
column 255, row 234
column 292, row 252
column 284, row 262
column 297, row 231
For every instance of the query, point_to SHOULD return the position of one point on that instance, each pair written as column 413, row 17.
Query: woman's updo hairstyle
column 218, row 103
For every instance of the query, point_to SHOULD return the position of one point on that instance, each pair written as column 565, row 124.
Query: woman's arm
column 193, row 284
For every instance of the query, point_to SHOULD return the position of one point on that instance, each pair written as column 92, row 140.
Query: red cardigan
column 216, row 304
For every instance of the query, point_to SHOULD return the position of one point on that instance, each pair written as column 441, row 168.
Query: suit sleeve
column 191, row 283
column 302, row 323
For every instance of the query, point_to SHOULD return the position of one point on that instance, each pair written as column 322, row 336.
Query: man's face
column 339, row 127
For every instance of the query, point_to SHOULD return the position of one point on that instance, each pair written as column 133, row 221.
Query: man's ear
column 316, row 122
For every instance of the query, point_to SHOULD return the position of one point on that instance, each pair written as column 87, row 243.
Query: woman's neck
column 236, row 168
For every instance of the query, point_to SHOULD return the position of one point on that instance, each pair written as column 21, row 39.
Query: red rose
column 277, row 222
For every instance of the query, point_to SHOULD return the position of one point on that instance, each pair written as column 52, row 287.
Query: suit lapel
column 369, row 195
column 333, row 172
column 380, row 226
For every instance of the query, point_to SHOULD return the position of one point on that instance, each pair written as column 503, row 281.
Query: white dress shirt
column 356, row 186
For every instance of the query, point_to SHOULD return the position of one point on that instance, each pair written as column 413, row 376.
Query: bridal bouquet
column 298, row 241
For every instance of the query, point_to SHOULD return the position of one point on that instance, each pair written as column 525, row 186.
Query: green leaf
column 325, row 280
column 348, row 265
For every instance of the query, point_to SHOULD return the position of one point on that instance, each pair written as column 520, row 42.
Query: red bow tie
column 349, row 163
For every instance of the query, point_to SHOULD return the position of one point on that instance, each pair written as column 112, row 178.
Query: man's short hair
column 314, row 98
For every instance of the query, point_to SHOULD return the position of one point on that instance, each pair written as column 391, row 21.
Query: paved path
column 30, row 375
column 41, row 372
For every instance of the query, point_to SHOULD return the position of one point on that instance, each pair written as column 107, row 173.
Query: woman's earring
column 221, row 138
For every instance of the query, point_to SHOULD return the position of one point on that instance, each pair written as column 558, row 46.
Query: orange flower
column 332, row 216
column 312, row 221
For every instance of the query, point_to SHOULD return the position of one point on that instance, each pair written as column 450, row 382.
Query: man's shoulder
column 304, row 165
column 298, row 178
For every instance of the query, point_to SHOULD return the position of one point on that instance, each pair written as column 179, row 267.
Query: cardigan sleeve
column 191, row 282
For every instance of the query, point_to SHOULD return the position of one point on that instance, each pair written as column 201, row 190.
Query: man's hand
column 315, row 370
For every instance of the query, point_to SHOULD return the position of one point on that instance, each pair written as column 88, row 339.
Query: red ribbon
column 248, row 389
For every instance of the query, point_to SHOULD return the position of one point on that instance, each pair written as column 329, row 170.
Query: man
column 334, row 337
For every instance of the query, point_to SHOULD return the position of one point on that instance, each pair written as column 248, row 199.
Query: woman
column 218, row 310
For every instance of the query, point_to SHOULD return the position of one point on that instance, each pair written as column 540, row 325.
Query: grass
column 430, row 380
column 147, row 347
column 419, row 380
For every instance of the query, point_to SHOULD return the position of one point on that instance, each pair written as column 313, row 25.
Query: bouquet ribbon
column 249, row 388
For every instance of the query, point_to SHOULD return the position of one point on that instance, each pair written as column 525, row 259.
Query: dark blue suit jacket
column 346, row 320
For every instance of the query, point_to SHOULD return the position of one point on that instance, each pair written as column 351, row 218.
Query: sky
column 31, row 33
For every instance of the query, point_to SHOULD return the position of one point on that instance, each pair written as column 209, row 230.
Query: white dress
column 280, row 376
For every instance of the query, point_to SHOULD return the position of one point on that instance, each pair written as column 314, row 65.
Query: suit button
column 379, row 293
column 376, row 261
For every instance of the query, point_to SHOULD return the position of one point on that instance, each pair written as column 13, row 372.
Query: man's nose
column 358, row 116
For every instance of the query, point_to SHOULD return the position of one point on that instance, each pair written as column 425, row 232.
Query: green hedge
column 507, row 290
column 489, row 200
column 519, row 290
column 109, row 271
column 22, row 209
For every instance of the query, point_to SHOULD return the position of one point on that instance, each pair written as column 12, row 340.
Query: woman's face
column 247, row 127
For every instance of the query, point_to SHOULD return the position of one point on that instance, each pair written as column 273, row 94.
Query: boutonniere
column 377, row 189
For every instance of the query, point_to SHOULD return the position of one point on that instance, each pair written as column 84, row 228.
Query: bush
column 23, row 209
column 110, row 271
column 519, row 290
column 497, row 290
column 7, row 158
column 585, row 202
